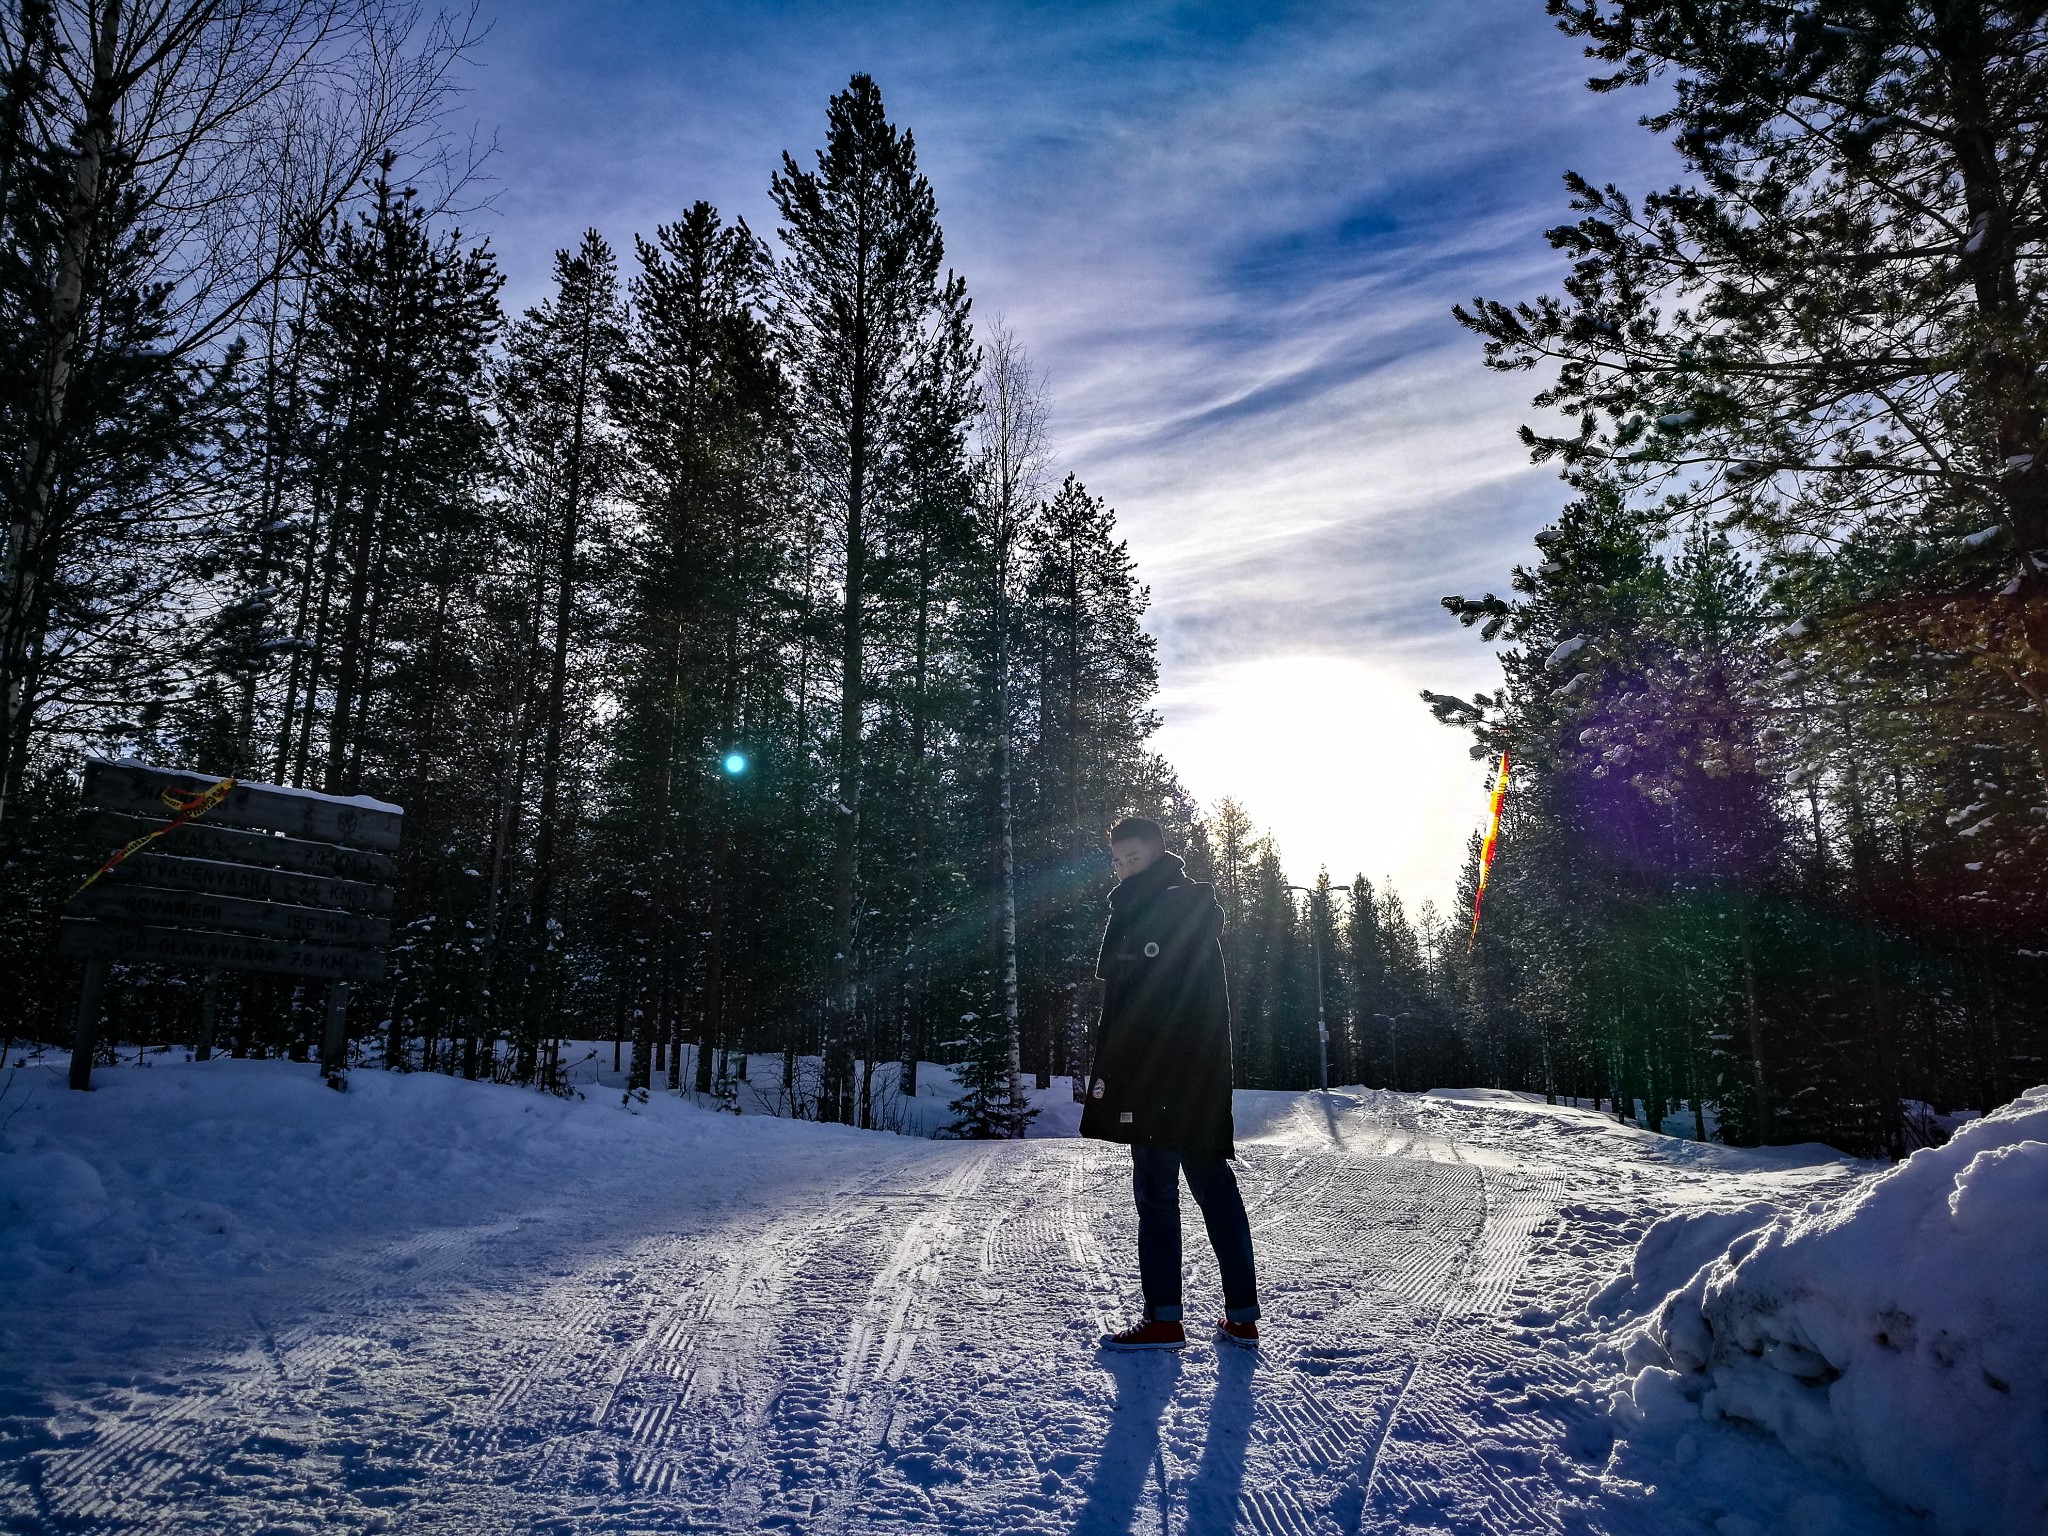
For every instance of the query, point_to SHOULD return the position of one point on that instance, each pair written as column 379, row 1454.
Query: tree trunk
column 28, row 557
column 835, row 1086
column 302, row 616
column 505, row 833
column 2010, row 404
column 1083, row 967
column 1755, row 1025
column 920, row 847
column 352, row 664
column 540, row 912
column 1860, row 856
column 721, row 856
column 1008, row 861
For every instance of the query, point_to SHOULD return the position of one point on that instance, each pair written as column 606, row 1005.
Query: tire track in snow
column 694, row 1419
column 1369, row 1250
column 107, row 1482
column 884, row 1336
column 238, row 1425
column 821, row 1384
column 1079, row 1220
column 881, row 1339
column 1433, row 1407
column 1349, row 1248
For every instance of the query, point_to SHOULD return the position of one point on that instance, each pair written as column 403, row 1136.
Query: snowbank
column 227, row 1166
column 1484, row 1095
column 1901, row 1332
column 230, row 1167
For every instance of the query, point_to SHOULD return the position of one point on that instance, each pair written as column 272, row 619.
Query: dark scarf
column 1131, row 894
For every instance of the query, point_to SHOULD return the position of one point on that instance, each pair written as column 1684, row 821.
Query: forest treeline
column 749, row 673
column 752, row 675
column 746, row 672
column 1776, row 852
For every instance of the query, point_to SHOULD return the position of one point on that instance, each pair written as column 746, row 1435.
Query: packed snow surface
column 240, row 1302
column 1901, row 1331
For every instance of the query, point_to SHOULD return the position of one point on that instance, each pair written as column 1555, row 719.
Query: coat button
column 1152, row 950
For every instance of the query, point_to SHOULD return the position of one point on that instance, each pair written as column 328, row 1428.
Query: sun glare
column 1340, row 762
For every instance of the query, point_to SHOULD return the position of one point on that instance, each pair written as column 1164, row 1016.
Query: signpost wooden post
column 273, row 879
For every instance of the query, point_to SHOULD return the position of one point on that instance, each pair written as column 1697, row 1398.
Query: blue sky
column 1230, row 236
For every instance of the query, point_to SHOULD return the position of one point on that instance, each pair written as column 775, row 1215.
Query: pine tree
column 353, row 561
column 928, row 578
column 1331, row 996
column 700, row 401
column 991, row 1105
column 678, row 626
column 928, row 689
column 1832, row 333
column 1752, row 765
column 1363, row 963
column 864, row 313
column 1095, row 673
column 561, row 359
column 1235, row 848
column 395, row 368
column 116, row 423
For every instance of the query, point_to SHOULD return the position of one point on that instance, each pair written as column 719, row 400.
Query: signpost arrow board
column 234, row 914
column 202, row 840
column 356, row 820
column 268, row 879
column 215, row 951
column 219, row 877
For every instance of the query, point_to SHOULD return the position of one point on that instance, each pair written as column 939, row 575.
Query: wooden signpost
column 273, row 879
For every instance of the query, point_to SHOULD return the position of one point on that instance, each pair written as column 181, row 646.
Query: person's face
column 1128, row 859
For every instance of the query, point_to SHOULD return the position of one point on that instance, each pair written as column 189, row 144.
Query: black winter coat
column 1162, row 1051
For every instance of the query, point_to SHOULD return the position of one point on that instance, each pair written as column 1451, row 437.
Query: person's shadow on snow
column 1218, row 1484
column 1130, row 1451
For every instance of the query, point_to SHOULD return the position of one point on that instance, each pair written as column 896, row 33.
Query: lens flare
column 1338, row 759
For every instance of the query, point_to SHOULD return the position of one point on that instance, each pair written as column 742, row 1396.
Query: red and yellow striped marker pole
column 1500, row 793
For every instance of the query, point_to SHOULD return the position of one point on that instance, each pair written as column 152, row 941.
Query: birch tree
column 1011, row 466
column 206, row 142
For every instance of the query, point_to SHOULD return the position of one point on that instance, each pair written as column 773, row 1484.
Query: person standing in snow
column 1161, row 1082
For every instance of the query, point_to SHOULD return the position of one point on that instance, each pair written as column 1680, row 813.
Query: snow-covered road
column 776, row 1327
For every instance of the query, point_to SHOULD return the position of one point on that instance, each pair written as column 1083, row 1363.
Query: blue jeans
column 1155, row 1179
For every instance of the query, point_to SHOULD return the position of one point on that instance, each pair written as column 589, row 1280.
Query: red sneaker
column 1148, row 1335
column 1246, row 1334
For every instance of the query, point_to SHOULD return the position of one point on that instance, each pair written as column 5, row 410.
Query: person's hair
column 1138, row 829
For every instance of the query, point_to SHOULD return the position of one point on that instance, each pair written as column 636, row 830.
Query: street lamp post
column 1315, row 939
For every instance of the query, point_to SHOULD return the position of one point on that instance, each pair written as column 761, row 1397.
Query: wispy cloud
column 1230, row 234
